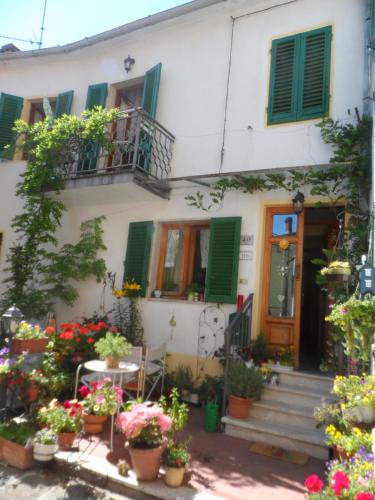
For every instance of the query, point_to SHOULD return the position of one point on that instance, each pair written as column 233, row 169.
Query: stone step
column 304, row 379
column 291, row 438
column 284, row 413
column 295, row 394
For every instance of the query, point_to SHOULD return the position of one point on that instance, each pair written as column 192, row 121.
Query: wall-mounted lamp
column 298, row 202
column 128, row 63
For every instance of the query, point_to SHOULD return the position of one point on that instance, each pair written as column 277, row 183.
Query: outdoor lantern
column 128, row 63
column 298, row 202
column 11, row 320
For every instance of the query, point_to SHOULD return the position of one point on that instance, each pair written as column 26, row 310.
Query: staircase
column 284, row 415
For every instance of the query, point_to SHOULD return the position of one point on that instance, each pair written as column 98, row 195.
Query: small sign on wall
column 247, row 239
column 246, row 255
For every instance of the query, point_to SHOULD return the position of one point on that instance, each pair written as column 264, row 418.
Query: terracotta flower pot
column 66, row 440
column 31, row 345
column 174, row 476
column 111, row 362
column 146, row 462
column 16, row 455
column 239, row 407
column 93, row 424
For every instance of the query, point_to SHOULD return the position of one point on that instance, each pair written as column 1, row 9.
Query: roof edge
column 124, row 29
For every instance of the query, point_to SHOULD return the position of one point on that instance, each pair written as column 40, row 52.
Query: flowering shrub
column 71, row 337
column 28, row 331
column 102, row 398
column 129, row 289
column 175, row 456
column 350, row 442
column 144, row 425
column 351, row 480
column 8, row 363
column 283, row 355
column 355, row 390
column 65, row 417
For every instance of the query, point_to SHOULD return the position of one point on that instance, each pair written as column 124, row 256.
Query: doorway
column 320, row 231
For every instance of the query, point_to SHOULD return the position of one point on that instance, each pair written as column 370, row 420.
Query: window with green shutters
column 223, row 256
column 151, row 90
column 138, row 250
column 300, row 76
column 10, row 111
column 64, row 103
column 96, row 95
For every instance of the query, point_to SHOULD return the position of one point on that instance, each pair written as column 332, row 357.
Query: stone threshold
column 103, row 473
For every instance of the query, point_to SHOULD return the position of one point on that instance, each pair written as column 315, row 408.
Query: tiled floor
column 223, row 465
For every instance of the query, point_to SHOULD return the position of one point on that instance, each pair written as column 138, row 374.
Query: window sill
column 180, row 301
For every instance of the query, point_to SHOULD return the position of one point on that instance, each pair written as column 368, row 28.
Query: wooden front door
column 282, row 275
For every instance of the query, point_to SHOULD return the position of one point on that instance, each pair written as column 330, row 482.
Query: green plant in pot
column 45, row 445
column 112, row 348
column 15, row 443
column 243, row 385
column 337, row 267
column 183, row 380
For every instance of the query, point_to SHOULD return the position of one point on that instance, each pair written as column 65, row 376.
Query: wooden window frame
column 190, row 229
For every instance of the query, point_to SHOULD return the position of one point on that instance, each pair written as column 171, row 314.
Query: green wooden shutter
column 223, row 255
column 138, row 253
column 64, row 103
column 282, row 105
column 96, row 95
column 313, row 99
column 10, row 111
column 151, row 90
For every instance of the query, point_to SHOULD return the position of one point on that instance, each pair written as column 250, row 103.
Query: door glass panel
column 284, row 224
column 173, row 261
column 281, row 288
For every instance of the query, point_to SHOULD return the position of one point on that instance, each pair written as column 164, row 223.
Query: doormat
column 294, row 457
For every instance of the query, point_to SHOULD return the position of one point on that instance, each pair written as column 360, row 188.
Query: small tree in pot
column 243, row 385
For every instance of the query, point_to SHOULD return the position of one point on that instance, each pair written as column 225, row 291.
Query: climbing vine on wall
column 38, row 273
column 347, row 181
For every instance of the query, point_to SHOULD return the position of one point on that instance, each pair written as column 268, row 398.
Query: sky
column 70, row 20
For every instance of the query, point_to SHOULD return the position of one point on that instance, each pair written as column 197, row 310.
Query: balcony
column 142, row 153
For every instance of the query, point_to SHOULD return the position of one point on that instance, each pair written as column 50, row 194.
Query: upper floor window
column 300, row 76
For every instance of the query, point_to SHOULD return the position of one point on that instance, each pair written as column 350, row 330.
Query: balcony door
column 281, row 283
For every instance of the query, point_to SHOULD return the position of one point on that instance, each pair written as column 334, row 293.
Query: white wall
column 194, row 51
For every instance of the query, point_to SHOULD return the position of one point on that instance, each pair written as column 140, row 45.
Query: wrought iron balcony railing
column 140, row 144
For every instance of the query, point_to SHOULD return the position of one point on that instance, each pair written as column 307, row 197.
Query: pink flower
column 313, row 484
column 340, row 481
column 364, row 495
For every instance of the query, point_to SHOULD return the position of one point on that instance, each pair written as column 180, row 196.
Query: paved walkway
column 221, row 466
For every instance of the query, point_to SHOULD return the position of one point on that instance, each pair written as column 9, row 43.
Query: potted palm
column 99, row 400
column 29, row 338
column 244, row 385
column 175, row 459
column 64, row 419
column 112, row 348
column 45, row 445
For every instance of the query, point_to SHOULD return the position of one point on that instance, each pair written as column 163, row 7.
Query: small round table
column 117, row 375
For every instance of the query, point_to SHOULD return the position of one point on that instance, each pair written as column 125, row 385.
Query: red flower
column 90, row 340
column 178, row 462
column 313, row 484
column 78, row 339
column 364, row 495
column 52, row 321
column 102, row 324
column 95, row 328
column 68, row 334
column 90, row 325
column 76, row 325
column 84, row 391
column 66, row 404
column 114, row 329
column 50, row 330
column 73, row 413
column 340, row 481
column 83, row 330
column 64, row 326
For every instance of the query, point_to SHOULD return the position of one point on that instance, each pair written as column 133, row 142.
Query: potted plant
column 29, row 338
column 193, row 290
column 243, row 385
column 99, row 401
column 145, row 427
column 112, row 348
column 8, row 364
column 337, row 270
column 282, row 358
column 175, row 459
column 64, row 419
column 347, row 444
column 183, row 381
column 45, row 445
column 16, row 444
